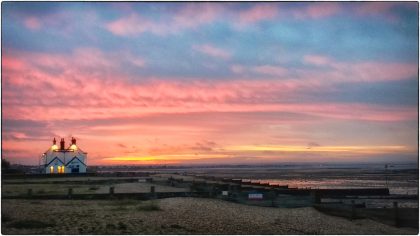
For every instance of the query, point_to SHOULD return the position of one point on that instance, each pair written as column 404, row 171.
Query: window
column 51, row 169
column 60, row 169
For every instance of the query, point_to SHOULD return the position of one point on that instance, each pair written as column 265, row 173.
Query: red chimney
column 54, row 142
column 62, row 144
column 73, row 141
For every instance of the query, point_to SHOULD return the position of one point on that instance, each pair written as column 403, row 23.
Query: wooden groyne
column 110, row 195
column 264, row 186
column 399, row 217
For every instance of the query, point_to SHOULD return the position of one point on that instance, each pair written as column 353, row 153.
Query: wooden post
column 70, row 192
column 396, row 218
column 111, row 191
column 29, row 192
column 213, row 191
column 316, row 196
column 273, row 196
column 353, row 210
column 152, row 192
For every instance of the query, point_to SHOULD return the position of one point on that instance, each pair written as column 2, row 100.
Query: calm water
column 395, row 186
column 399, row 178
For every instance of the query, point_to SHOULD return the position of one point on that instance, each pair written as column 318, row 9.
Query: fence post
column 70, row 192
column 316, row 197
column 213, row 191
column 396, row 218
column 152, row 192
column 273, row 196
column 30, row 192
column 111, row 191
column 353, row 210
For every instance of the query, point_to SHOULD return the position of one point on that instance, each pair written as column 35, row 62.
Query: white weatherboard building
column 60, row 160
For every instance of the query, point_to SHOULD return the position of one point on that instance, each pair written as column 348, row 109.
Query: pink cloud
column 213, row 51
column 271, row 70
column 32, row 23
column 317, row 10
column 122, row 98
column 368, row 71
column 378, row 8
column 237, row 69
column 264, row 71
column 132, row 25
column 259, row 12
column 369, row 8
column 317, row 60
column 12, row 63
column 374, row 71
column 82, row 88
column 384, row 9
column 186, row 18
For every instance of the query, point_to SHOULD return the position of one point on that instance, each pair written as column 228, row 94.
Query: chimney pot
column 62, row 144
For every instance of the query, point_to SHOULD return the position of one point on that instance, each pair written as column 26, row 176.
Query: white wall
column 65, row 158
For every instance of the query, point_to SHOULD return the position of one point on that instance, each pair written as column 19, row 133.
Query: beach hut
column 62, row 159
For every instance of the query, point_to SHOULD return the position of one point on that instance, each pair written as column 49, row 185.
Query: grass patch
column 35, row 202
column 175, row 226
column 30, row 224
column 119, row 208
column 5, row 218
column 110, row 226
column 124, row 202
column 122, row 226
column 68, row 203
column 151, row 206
column 41, row 191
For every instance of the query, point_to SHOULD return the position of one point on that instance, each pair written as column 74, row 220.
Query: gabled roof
column 54, row 159
column 75, row 157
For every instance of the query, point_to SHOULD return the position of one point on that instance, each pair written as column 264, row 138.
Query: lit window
column 51, row 169
column 60, row 169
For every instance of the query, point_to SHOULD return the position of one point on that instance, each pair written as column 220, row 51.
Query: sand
column 139, row 188
column 178, row 216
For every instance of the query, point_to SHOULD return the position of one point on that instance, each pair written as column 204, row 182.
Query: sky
column 140, row 83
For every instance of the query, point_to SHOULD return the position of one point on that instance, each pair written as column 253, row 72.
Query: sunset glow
column 211, row 83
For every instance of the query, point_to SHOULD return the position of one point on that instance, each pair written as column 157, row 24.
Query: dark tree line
column 5, row 165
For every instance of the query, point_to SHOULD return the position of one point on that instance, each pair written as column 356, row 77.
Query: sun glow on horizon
column 165, row 158
column 359, row 149
column 258, row 151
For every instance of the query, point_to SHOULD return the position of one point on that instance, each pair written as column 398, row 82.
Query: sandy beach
column 175, row 216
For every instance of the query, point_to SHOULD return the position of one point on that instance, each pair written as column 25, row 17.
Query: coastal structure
column 62, row 159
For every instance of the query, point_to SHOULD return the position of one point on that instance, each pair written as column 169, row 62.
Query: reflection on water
column 395, row 187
